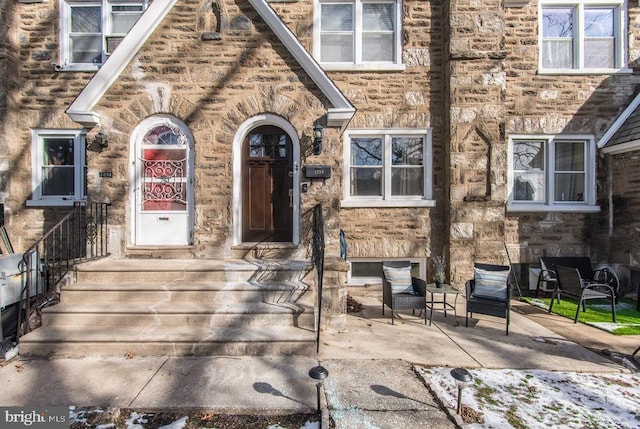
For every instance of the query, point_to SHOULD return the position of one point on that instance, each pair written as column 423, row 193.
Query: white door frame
column 134, row 179
column 238, row 141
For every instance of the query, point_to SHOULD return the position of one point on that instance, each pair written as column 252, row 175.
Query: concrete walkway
column 371, row 374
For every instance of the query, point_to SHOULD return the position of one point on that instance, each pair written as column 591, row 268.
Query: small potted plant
column 439, row 266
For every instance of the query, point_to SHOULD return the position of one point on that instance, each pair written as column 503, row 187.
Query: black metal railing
column 318, row 260
column 80, row 236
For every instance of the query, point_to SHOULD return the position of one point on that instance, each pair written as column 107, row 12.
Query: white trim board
column 81, row 110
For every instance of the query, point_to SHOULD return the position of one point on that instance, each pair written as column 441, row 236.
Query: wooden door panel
column 267, row 213
column 258, row 219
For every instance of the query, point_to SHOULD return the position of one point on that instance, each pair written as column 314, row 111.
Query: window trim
column 358, row 64
column 620, row 35
column 106, row 22
column 549, row 205
column 387, row 200
column 80, row 165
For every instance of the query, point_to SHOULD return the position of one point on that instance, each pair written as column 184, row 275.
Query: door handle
column 290, row 197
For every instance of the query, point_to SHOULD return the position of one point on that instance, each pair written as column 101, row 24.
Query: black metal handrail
column 318, row 260
column 81, row 235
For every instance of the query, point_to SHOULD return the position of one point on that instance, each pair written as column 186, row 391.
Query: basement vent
column 369, row 270
column 366, row 269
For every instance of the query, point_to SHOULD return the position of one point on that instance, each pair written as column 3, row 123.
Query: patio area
column 536, row 340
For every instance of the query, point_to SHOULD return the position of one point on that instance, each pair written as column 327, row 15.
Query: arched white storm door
column 162, row 182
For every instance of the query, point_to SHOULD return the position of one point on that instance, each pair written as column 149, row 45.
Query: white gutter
column 342, row 111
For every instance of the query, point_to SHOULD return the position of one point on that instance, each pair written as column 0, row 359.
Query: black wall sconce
column 101, row 139
column 318, row 136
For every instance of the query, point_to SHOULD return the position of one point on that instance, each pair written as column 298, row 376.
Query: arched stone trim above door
column 243, row 130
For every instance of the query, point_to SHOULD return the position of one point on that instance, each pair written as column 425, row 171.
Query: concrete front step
column 116, row 270
column 180, row 307
column 219, row 292
column 195, row 314
column 163, row 341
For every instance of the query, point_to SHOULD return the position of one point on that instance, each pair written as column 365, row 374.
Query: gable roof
column 624, row 134
column 81, row 110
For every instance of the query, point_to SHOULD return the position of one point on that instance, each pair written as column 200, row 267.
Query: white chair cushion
column 400, row 279
column 490, row 284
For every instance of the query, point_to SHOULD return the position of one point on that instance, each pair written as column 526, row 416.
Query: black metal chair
column 569, row 282
column 489, row 292
column 403, row 300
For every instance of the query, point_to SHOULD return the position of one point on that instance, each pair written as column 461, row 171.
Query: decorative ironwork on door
column 164, row 170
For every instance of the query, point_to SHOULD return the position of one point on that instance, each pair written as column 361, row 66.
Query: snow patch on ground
column 542, row 399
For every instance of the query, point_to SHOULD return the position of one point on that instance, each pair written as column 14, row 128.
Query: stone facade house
column 449, row 128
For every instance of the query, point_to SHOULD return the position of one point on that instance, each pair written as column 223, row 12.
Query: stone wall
column 7, row 66
column 213, row 86
column 476, row 84
column 35, row 96
column 550, row 104
column 495, row 90
column 471, row 76
column 409, row 99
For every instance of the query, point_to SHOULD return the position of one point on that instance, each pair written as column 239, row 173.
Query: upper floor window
column 388, row 168
column 582, row 35
column 357, row 33
column 58, row 167
column 91, row 29
column 552, row 173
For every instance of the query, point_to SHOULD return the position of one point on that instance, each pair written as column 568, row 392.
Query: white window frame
column 620, row 35
column 358, row 64
column 79, row 162
column 387, row 200
column 65, row 29
column 549, row 205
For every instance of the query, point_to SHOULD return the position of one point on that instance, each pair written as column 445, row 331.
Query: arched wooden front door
column 267, row 186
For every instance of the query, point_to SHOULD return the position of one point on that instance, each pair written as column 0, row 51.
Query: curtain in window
column 85, row 40
column 377, row 33
column 123, row 17
column 570, row 172
column 599, row 40
column 336, row 33
column 557, row 38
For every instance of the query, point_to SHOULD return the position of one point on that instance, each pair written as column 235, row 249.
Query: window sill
column 541, row 208
column 569, row 72
column 353, row 203
column 363, row 67
column 57, row 202
column 78, row 68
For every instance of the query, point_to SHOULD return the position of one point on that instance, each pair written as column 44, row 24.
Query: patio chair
column 569, row 282
column 401, row 291
column 489, row 292
column 601, row 274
